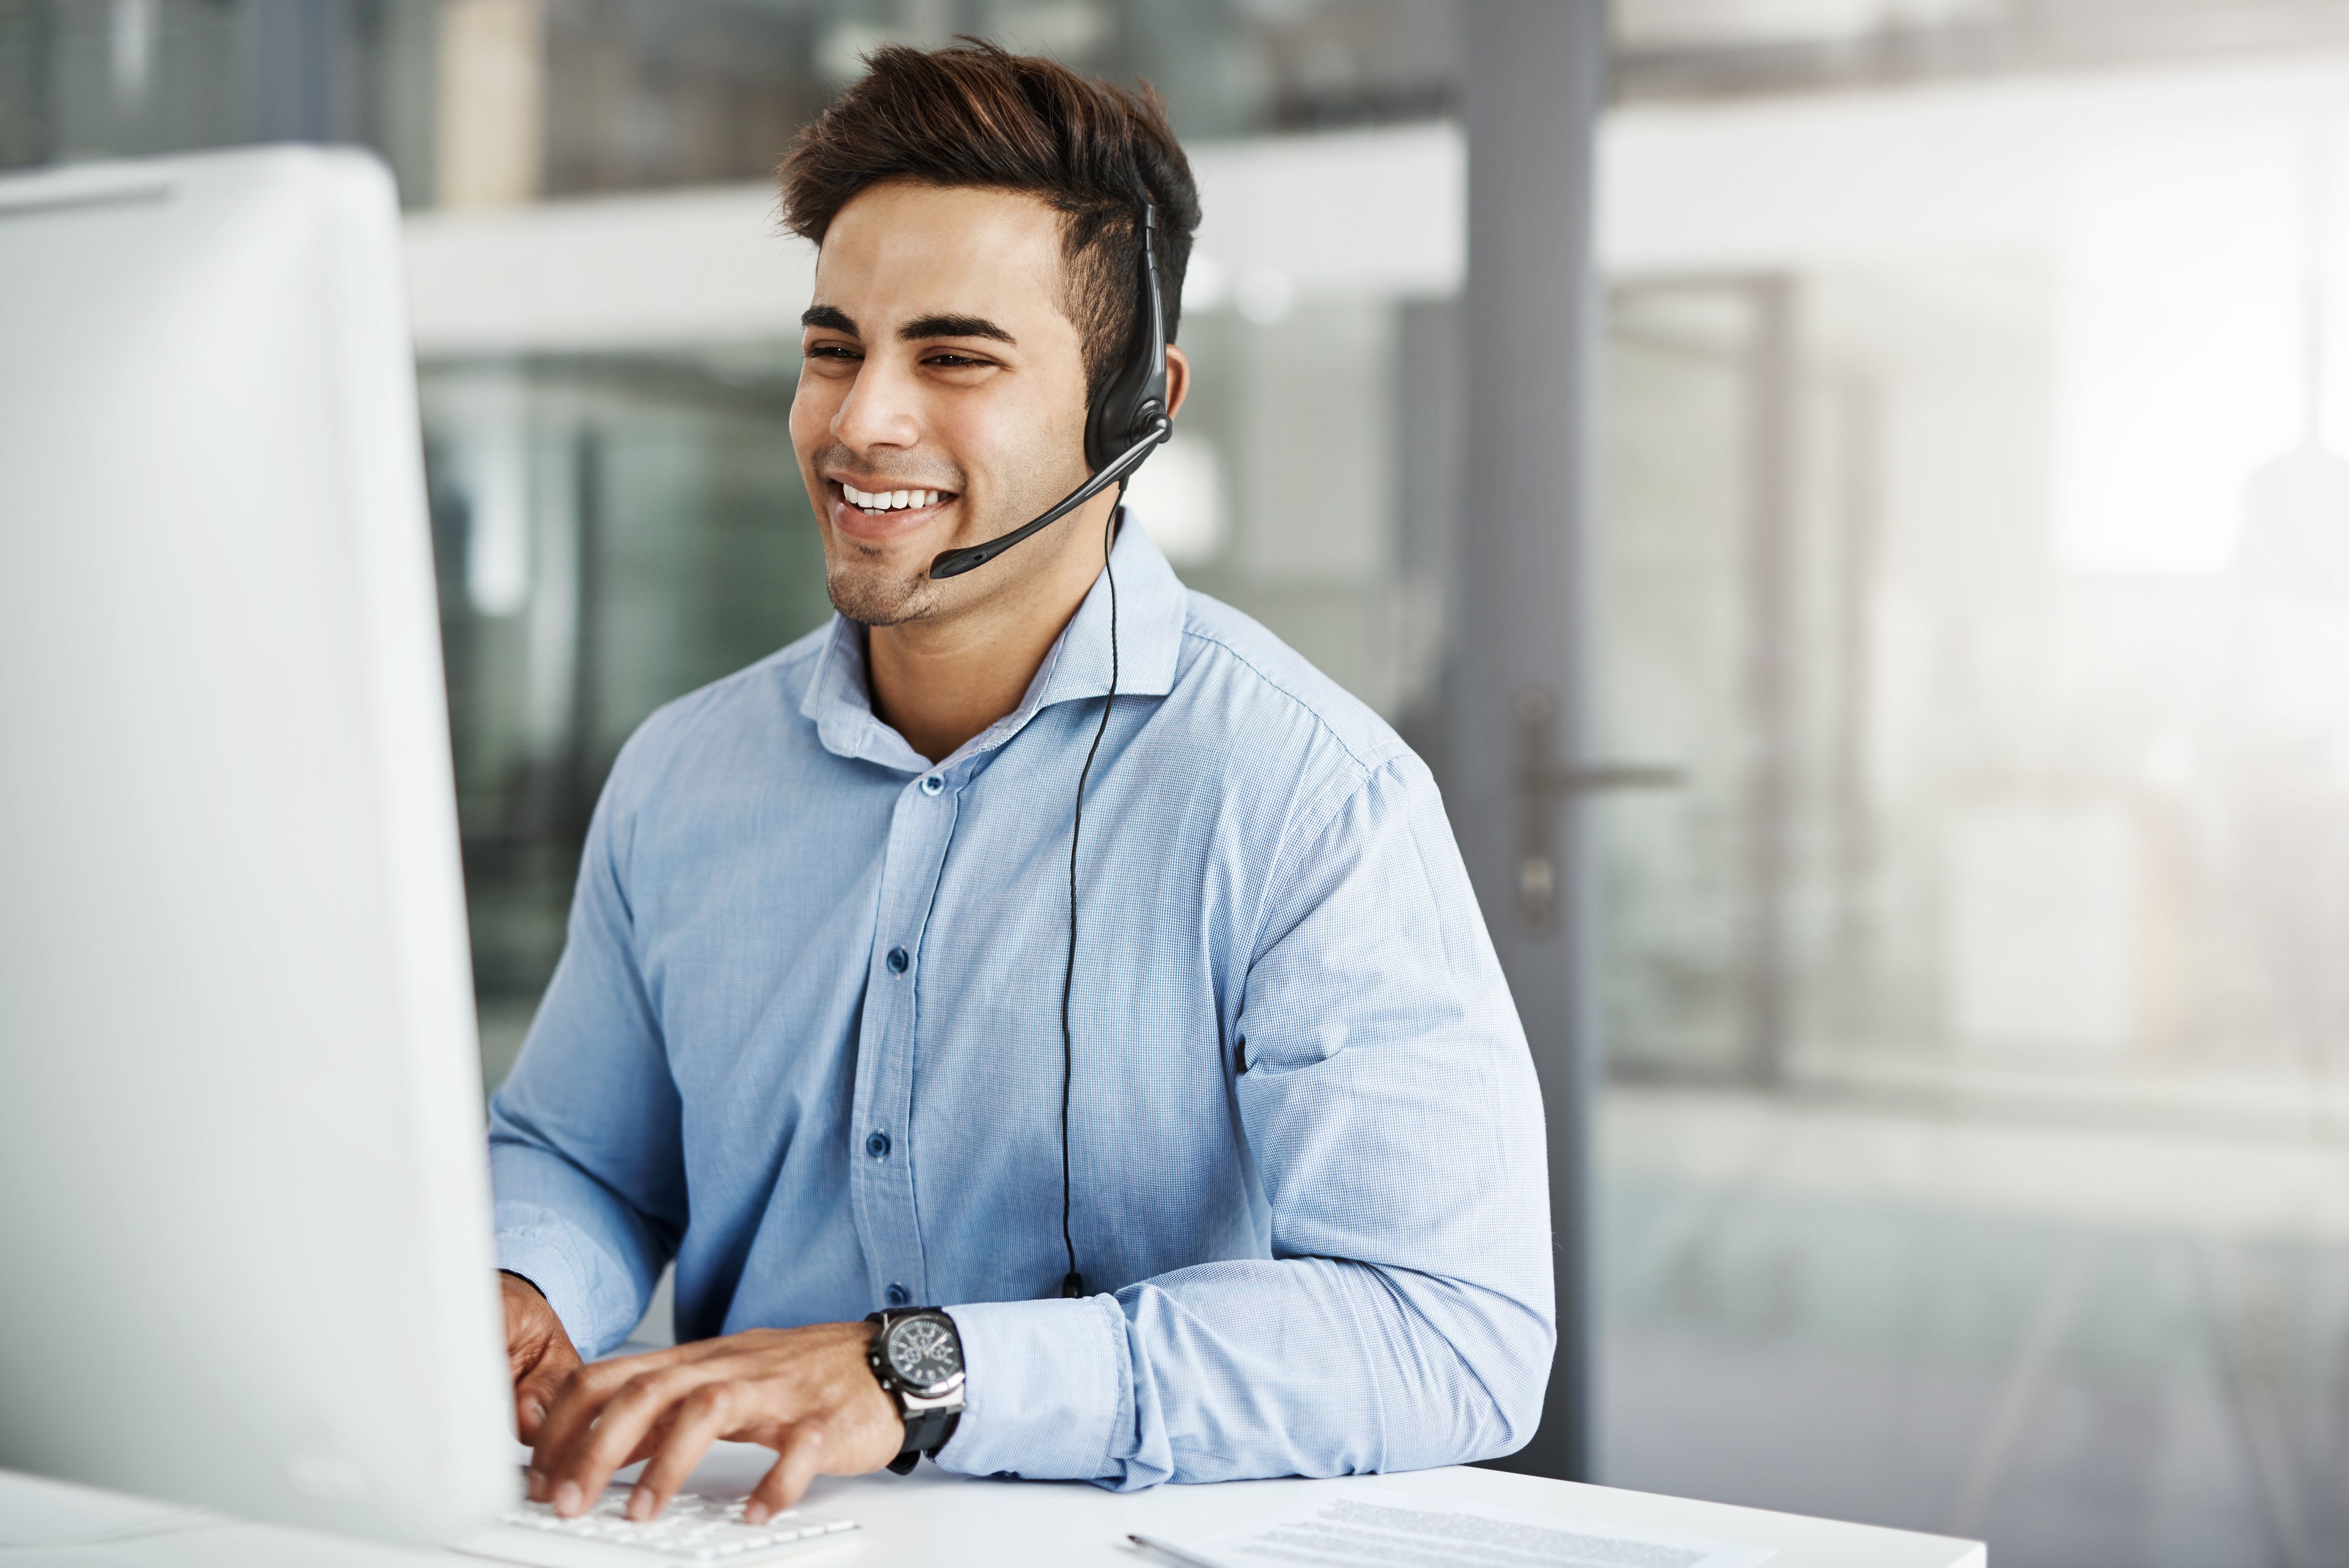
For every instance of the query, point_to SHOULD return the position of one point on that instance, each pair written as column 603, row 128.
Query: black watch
column 918, row 1356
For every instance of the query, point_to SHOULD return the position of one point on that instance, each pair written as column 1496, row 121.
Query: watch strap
column 926, row 1431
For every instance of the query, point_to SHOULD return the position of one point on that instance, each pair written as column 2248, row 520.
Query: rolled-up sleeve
column 585, row 1143
column 1405, row 1316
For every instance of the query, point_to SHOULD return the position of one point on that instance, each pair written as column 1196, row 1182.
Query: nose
column 878, row 411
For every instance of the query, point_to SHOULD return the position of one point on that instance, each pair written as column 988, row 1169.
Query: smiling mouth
column 875, row 503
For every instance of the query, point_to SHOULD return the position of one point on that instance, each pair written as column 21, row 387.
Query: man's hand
column 539, row 1351
column 806, row 1393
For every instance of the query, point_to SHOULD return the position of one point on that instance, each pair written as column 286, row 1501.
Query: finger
column 701, row 1419
column 787, row 1482
column 534, row 1396
column 535, row 1388
column 583, row 1467
column 578, row 1400
column 654, row 1435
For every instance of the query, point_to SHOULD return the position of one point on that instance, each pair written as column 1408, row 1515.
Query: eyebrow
column 920, row 329
column 926, row 327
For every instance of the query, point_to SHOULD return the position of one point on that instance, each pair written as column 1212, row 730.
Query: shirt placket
column 921, row 828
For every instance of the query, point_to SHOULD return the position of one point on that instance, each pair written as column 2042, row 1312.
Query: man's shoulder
column 757, row 702
column 1272, row 699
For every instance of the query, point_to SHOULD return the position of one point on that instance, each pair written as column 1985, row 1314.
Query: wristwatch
column 918, row 1356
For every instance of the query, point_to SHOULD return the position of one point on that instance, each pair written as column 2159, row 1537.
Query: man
column 1273, row 1201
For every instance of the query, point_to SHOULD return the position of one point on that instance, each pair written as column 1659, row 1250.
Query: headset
column 1129, row 412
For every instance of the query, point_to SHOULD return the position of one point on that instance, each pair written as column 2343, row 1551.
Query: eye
column 952, row 361
column 836, row 351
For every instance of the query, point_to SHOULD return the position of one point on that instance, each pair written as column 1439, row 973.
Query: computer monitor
column 245, row 1232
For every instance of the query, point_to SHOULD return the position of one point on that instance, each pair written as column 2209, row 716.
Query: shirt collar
column 1151, row 606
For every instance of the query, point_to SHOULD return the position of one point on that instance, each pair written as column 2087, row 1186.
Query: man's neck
column 939, row 682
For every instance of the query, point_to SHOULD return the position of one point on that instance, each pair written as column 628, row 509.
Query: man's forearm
column 1247, row 1369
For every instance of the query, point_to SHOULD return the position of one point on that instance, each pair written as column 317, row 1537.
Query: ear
column 1178, row 379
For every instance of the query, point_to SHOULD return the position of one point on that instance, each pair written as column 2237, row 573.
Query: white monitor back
column 243, row 1196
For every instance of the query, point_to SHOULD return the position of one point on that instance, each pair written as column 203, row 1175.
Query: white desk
column 932, row 1519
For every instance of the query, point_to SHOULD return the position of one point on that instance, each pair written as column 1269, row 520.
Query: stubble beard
column 871, row 595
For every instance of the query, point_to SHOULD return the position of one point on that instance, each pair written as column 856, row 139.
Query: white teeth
column 888, row 499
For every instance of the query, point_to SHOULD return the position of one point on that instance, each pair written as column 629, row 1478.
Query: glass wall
column 1977, row 544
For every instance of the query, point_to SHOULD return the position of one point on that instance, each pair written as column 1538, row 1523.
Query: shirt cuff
column 548, row 1254
column 1047, row 1385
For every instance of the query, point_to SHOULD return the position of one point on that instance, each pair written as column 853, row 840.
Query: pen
column 1171, row 1553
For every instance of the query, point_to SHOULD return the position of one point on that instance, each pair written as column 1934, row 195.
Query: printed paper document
column 1396, row 1529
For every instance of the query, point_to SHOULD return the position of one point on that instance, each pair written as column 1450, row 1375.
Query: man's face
column 940, row 373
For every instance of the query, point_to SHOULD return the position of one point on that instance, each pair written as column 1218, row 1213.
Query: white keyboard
column 692, row 1533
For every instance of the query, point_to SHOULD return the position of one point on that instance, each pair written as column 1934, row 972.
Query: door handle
column 1541, row 783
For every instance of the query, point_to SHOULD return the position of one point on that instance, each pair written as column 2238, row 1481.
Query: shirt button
column 877, row 1146
column 933, row 784
column 898, row 959
column 897, row 1296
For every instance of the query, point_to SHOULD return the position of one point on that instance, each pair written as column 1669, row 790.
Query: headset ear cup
column 1111, row 417
column 1115, row 419
column 1137, row 391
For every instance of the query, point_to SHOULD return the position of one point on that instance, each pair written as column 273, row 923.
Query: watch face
column 923, row 1352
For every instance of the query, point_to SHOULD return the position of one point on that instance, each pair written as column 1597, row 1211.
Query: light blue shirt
column 805, row 1039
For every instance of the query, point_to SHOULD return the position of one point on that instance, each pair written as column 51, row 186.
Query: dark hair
column 975, row 115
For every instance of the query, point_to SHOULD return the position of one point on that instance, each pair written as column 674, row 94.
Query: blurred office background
column 1974, row 547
